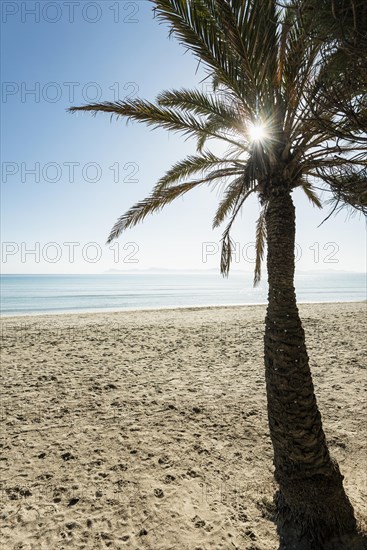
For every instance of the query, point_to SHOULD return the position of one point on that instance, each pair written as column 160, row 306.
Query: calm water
column 22, row 294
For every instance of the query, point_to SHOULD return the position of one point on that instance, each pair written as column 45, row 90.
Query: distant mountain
column 215, row 270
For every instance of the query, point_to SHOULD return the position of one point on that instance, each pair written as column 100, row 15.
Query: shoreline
column 163, row 308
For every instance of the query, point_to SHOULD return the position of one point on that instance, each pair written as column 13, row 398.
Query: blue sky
column 72, row 196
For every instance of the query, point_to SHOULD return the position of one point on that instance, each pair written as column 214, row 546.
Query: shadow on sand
column 290, row 537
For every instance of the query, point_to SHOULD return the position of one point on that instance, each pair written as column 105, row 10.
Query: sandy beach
column 148, row 429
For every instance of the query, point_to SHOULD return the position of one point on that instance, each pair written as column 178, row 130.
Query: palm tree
column 270, row 106
column 342, row 20
column 345, row 22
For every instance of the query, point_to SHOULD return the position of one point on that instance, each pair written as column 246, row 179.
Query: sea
column 40, row 294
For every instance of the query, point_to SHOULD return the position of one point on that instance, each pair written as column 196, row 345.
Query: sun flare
column 256, row 132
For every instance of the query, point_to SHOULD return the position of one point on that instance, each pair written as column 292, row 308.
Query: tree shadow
column 291, row 536
column 290, row 539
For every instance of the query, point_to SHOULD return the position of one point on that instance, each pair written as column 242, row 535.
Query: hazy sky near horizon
column 67, row 178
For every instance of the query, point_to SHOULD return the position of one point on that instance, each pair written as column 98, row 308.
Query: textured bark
column 312, row 505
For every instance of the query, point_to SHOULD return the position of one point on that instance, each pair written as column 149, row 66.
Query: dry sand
column 148, row 430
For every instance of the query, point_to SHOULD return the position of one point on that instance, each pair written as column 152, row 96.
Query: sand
column 148, row 430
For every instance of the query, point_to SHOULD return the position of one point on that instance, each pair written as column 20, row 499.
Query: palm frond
column 227, row 244
column 236, row 36
column 205, row 105
column 233, row 190
column 226, row 254
column 198, row 163
column 260, row 244
column 156, row 116
column 155, row 202
column 311, row 195
column 149, row 113
column 348, row 186
column 196, row 25
column 239, row 189
column 160, row 197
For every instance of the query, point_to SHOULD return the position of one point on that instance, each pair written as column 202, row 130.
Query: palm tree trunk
column 312, row 505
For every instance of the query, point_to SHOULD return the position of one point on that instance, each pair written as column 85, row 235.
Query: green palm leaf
column 160, row 197
column 205, row 105
column 156, row 116
column 195, row 24
column 155, row 202
column 199, row 163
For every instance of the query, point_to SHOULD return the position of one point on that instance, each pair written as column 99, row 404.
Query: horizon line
column 177, row 270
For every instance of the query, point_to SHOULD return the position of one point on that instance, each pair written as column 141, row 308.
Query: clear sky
column 66, row 178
